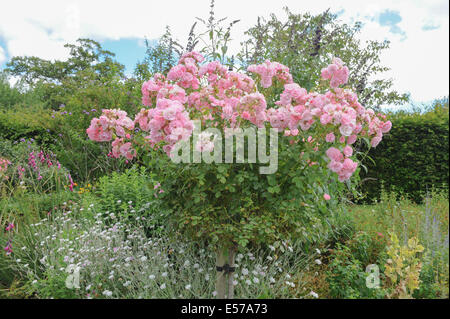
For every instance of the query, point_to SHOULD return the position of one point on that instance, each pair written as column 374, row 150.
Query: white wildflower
column 315, row 295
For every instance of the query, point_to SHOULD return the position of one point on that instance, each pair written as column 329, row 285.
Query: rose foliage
column 233, row 203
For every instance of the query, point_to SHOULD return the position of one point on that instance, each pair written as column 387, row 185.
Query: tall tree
column 85, row 55
column 160, row 57
column 88, row 64
column 306, row 43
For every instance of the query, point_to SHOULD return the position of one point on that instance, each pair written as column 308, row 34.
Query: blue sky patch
column 430, row 26
column 391, row 19
column 340, row 12
column 5, row 52
column 128, row 51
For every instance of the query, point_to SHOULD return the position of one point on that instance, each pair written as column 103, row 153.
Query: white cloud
column 419, row 63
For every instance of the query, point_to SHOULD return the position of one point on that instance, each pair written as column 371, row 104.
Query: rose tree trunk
column 224, row 278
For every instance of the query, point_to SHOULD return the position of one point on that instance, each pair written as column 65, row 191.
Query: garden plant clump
column 232, row 205
column 115, row 259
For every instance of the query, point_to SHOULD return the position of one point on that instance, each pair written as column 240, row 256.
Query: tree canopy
column 306, row 42
column 85, row 55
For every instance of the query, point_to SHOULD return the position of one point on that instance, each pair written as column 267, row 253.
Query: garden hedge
column 28, row 124
column 413, row 157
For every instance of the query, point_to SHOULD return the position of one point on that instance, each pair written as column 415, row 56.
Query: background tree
column 9, row 95
column 88, row 64
column 306, row 42
column 86, row 54
column 160, row 57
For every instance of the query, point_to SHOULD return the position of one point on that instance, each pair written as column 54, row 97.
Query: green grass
column 402, row 216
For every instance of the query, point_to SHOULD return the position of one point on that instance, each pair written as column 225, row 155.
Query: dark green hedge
column 413, row 157
column 28, row 124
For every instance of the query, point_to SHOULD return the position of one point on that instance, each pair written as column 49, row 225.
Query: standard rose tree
column 230, row 203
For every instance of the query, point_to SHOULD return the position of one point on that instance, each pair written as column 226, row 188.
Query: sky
column 418, row 30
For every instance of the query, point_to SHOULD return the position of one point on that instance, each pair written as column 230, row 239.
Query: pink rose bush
column 270, row 70
column 110, row 122
column 168, row 122
column 336, row 72
column 232, row 204
column 205, row 143
column 329, row 122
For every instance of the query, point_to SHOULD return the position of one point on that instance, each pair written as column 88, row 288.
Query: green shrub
column 413, row 156
column 131, row 196
column 9, row 96
column 27, row 123
column 118, row 189
column 346, row 275
column 86, row 160
column 434, row 280
column 28, row 208
column 30, row 190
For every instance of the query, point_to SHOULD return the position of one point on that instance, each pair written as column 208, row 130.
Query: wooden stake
column 231, row 257
column 221, row 277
